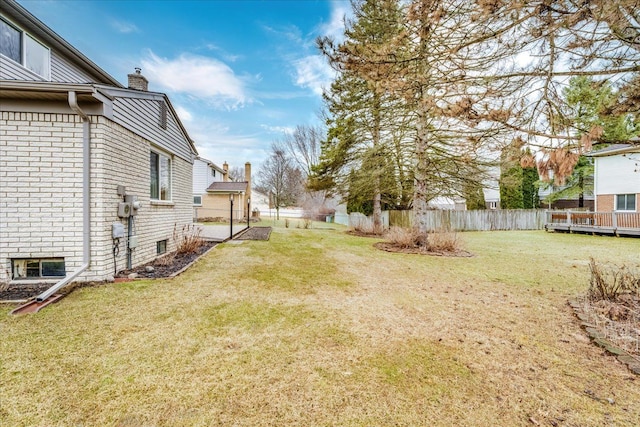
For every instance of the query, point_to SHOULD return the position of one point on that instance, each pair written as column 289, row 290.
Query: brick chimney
column 225, row 173
column 137, row 81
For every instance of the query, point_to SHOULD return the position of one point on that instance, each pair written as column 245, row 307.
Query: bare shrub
column 612, row 304
column 443, row 241
column 187, row 240
column 166, row 260
column 611, row 282
column 305, row 223
column 286, row 223
column 436, row 241
column 401, row 237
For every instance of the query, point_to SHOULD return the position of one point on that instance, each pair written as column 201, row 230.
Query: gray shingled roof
column 228, row 187
column 614, row 149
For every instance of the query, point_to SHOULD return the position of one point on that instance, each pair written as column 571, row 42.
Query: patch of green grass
column 417, row 366
column 252, row 317
column 297, row 261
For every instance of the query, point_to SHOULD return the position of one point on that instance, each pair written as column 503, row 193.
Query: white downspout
column 86, row 193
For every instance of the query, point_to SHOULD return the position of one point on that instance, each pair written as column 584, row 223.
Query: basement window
column 161, row 247
column 33, row 268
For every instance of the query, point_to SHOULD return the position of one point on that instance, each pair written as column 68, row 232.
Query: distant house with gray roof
column 216, row 197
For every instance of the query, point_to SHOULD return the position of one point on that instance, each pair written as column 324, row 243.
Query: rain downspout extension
column 86, row 192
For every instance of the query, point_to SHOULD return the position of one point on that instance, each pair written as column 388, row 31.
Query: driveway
column 220, row 233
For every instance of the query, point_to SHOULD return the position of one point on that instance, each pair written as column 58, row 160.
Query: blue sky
column 239, row 73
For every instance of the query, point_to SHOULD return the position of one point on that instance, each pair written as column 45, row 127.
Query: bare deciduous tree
column 280, row 179
column 236, row 174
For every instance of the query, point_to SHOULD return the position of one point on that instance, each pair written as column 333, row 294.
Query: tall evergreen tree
column 362, row 131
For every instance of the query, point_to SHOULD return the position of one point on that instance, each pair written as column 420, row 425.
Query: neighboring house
column 220, row 198
column 205, row 173
column 447, row 203
column 617, row 178
column 547, row 200
column 80, row 153
column 491, row 196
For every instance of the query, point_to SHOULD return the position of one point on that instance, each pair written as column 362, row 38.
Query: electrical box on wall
column 135, row 204
column 117, row 230
column 133, row 242
column 124, row 209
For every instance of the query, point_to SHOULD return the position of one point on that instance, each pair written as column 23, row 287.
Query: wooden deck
column 607, row 223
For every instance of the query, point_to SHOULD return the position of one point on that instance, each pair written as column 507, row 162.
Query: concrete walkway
column 219, row 233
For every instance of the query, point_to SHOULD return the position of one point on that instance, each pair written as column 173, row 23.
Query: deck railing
column 595, row 220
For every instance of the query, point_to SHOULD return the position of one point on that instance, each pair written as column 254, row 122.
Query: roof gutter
column 86, row 193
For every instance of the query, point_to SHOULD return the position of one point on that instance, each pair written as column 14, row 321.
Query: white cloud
column 124, row 27
column 313, row 72
column 335, row 27
column 184, row 114
column 197, row 76
column 278, row 129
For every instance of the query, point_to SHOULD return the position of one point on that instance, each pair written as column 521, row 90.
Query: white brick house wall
column 41, row 192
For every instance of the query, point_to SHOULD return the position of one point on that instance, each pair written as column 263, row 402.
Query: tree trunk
column 581, row 195
column 378, row 227
column 420, row 183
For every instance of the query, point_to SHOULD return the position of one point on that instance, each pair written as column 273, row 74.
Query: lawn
column 318, row 328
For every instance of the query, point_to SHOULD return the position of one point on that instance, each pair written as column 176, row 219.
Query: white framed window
column 197, row 200
column 22, row 48
column 213, row 172
column 160, row 175
column 36, row 268
column 626, row 202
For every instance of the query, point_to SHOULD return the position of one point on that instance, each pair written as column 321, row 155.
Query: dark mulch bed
column 23, row 291
column 359, row 233
column 20, row 291
column 255, row 233
column 390, row 247
column 167, row 265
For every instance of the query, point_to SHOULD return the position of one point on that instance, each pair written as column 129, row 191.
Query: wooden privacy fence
column 477, row 220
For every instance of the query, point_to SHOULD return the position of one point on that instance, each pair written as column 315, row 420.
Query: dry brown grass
column 318, row 328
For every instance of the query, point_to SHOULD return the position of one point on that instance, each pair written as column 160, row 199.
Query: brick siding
column 41, row 192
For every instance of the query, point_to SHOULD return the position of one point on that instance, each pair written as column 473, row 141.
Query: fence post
column 614, row 220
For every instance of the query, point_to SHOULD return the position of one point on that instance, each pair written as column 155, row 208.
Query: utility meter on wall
column 124, row 209
column 135, row 204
